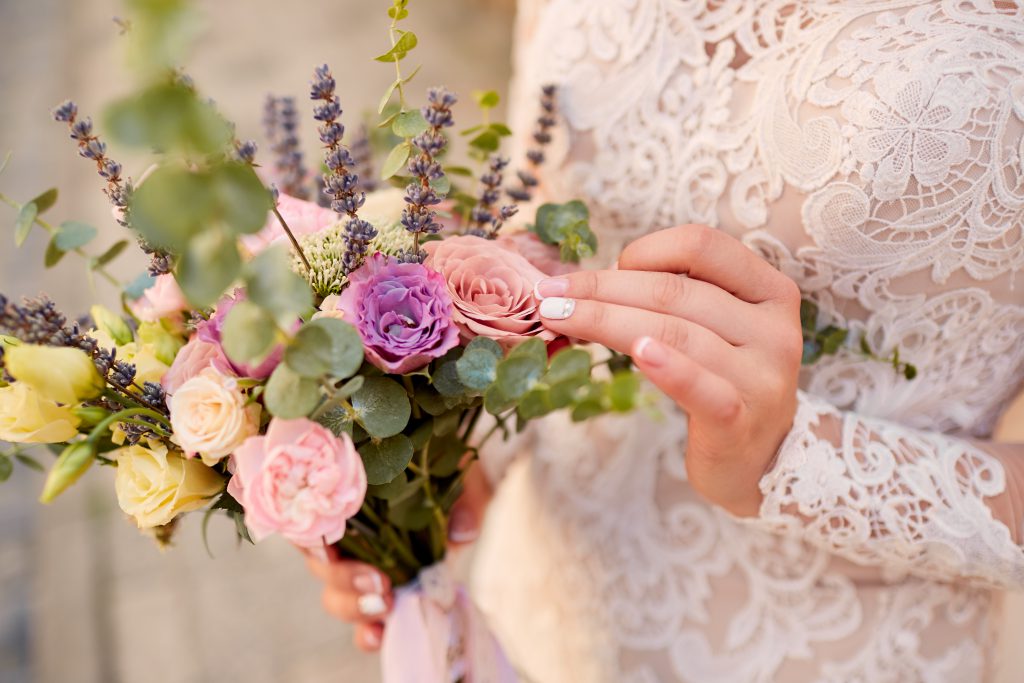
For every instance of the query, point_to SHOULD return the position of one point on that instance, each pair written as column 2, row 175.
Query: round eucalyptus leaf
column 309, row 353
column 242, row 200
column 271, row 283
column 382, row 407
column 290, row 395
column 518, row 374
column 171, row 207
column 446, row 380
column 385, row 460
column 248, row 333
column 568, row 364
column 495, row 401
column 208, row 266
column 344, row 351
column 477, row 369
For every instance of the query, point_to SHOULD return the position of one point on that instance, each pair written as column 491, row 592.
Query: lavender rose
column 491, row 288
column 402, row 312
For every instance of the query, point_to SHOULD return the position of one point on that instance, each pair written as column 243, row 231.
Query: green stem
column 439, row 529
column 53, row 231
column 120, row 416
column 130, row 401
column 332, row 402
column 295, row 242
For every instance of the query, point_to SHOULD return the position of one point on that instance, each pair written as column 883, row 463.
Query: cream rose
column 155, row 486
column 210, row 417
column 27, row 417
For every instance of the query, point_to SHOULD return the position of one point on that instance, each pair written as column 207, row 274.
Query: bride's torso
column 874, row 152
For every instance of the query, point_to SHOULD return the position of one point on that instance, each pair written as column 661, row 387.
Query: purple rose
column 402, row 311
column 210, row 331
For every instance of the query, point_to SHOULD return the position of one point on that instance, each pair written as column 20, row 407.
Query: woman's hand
column 361, row 595
column 716, row 328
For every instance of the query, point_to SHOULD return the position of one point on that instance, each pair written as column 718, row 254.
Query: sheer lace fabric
column 874, row 151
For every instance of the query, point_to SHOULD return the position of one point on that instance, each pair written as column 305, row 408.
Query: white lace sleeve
column 913, row 502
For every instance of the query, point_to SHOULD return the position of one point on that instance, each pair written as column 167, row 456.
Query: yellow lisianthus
column 61, row 374
column 28, row 417
column 154, row 485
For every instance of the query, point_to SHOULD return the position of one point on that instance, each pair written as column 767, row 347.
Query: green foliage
column 404, row 45
column 387, row 459
column 487, row 99
column 45, row 200
column 112, row 252
column 344, row 352
column 169, row 117
column 271, row 283
column 134, row 289
column 208, row 266
column 289, row 395
column 160, row 34
column 830, row 339
column 396, row 160
column 567, row 226
column 23, row 223
column 477, row 368
column 72, row 235
column 381, row 407
column 6, row 467
column 408, row 124
column 248, row 333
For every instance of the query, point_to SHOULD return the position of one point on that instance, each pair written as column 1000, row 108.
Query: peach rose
column 163, row 300
column 544, row 257
column 491, row 289
column 302, row 217
column 300, row 481
column 211, row 417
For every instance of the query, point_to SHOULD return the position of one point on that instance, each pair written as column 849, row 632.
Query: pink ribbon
column 435, row 634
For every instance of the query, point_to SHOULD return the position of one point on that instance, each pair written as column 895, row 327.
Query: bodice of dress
column 874, row 151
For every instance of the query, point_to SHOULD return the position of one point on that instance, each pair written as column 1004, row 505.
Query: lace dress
column 874, row 152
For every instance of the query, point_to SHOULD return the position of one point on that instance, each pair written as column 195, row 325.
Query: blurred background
column 85, row 598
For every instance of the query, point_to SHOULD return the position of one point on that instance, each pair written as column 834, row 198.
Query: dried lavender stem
column 295, row 242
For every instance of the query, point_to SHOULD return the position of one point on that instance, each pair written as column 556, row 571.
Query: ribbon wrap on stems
column 435, row 634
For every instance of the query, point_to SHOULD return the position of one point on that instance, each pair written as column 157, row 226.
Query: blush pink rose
column 300, row 481
column 162, row 300
column 544, row 257
column 491, row 288
column 302, row 217
column 192, row 359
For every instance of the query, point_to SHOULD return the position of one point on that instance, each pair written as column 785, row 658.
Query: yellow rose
column 27, row 417
column 155, row 486
column 211, row 416
column 58, row 373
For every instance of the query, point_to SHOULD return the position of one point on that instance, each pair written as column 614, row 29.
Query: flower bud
column 61, row 374
column 90, row 416
column 112, row 324
column 71, row 465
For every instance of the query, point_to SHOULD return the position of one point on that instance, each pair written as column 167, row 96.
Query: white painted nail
column 371, row 605
column 557, row 308
column 370, row 582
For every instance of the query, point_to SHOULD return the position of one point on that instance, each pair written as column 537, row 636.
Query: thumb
column 468, row 512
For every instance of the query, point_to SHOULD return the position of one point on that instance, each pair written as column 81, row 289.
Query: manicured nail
column 371, row 638
column 557, row 308
column 462, row 527
column 370, row 583
column 650, row 351
column 552, row 286
column 372, row 605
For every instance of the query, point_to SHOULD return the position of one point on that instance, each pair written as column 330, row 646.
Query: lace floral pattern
column 873, row 151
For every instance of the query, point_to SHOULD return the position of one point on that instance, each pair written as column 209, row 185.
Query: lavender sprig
column 486, row 218
column 418, row 217
column 118, row 189
column 341, row 183
column 535, row 155
column 282, row 121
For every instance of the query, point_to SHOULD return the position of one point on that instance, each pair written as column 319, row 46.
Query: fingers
column 695, row 300
column 468, row 512
column 700, row 392
column 353, row 591
column 712, row 256
column 368, row 637
column 618, row 328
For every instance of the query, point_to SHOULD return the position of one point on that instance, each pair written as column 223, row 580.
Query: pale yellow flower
column 62, row 374
column 28, row 417
column 154, row 486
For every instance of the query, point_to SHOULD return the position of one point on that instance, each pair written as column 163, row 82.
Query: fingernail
column 372, row 605
column 557, row 308
column 650, row 351
column 552, row 286
column 462, row 527
column 371, row 638
column 370, row 582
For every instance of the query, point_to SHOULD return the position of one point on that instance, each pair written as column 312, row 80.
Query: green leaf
column 409, row 124
column 865, row 348
column 71, row 235
column 487, row 141
column 289, row 395
column 428, row 398
column 832, row 338
column 337, row 421
column 381, row 407
column 210, row 264
column 53, row 254
column 442, row 185
column 554, row 220
column 6, row 467
column 808, row 315
column 446, row 380
column 395, row 490
column 586, row 410
column 396, row 160
column 567, row 364
column 134, row 289
column 241, row 199
column 172, row 206
column 486, row 99
column 909, row 371
column 500, row 129
column 811, row 352
column 30, row 462
column 23, row 224
column 477, row 368
column 344, row 350
column 45, row 200
column 3, row 164
column 411, row 513
column 309, row 353
column 447, row 423
column 623, row 390
column 397, row 53
column 387, row 459
column 535, row 403
column 495, row 400
column 458, row 170
column 248, row 333
column 446, row 452
column 516, row 376
column 168, row 117
column 110, row 254
column 387, row 96
column 271, row 283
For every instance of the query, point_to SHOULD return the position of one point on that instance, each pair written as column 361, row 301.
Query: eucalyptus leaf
column 23, row 223
column 29, row 462
column 45, row 200
column 271, row 283
column 622, row 391
column 536, row 403
column 168, row 116
column 172, row 206
column 428, row 399
column 309, row 353
column 386, row 459
column 832, row 338
column 554, row 220
column 112, row 252
column 495, row 400
column 6, row 467
column 208, row 267
column 289, row 395
column 486, row 99
column 344, row 350
column 53, row 254
column 569, row 363
column 394, row 490
column 248, row 333
column 477, row 368
column 487, row 141
column 387, row 95
column 446, row 453
column 402, row 46
column 500, row 129
column 442, row 185
column 337, row 421
column 134, row 289
column 382, row 407
column 396, row 160
column 411, row 513
column 808, row 315
column 241, row 199
column 409, row 124
column 71, row 235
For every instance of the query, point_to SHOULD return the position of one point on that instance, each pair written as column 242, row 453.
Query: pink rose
column 544, row 257
column 192, row 359
column 491, row 289
column 300, row 481
column 302, row 217
column 212, row 331
column 163, row 300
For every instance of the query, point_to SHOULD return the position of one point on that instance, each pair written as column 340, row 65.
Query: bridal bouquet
column 309, row 354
